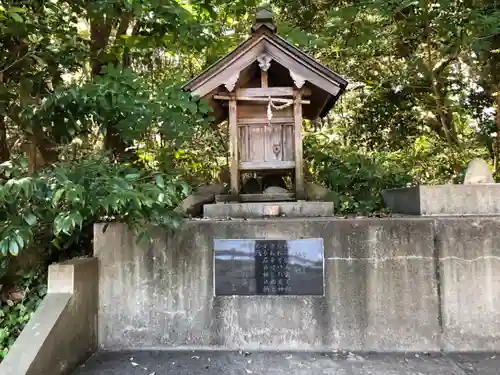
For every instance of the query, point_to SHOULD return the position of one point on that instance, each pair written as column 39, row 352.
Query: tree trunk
column 494, row 69
column 100, row 32
column 497, row 120
column 4, row 148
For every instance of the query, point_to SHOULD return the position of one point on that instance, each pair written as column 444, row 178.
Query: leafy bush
column 357, row 179
column 55, row 209
column 17, row 308
column 358, row 176
column 68, row 196
column 122, row 101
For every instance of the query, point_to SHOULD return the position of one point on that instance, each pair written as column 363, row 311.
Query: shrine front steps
column 253, row 210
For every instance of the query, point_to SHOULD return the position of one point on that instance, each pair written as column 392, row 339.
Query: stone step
column 286, row 363
column 262, row 209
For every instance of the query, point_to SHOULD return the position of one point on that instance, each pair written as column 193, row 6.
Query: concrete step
column 274, row 363
column 268, row 209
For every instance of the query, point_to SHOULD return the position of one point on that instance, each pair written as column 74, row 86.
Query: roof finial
column 264, row 17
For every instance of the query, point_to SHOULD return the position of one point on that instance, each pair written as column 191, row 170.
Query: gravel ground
column 273, row 363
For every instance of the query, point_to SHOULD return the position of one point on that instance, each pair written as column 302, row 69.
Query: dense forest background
column 93, row 125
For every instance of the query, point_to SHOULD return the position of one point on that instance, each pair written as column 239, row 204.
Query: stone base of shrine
column 267, row 209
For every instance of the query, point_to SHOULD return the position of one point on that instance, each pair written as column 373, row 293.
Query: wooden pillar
column 233, row 147
column 263, row 79
column 299, row 167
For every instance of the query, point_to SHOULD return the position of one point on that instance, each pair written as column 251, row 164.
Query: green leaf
column 185, row 189
column 17, row 10
column 160, row 182
column 192, row 107
column 4, row 246
column 16, row 17
column 77, row 218
column 30, row 219
column 57, row 196
column 19, row 240
column 132, row 176
column 13, row 247
column 25, row 184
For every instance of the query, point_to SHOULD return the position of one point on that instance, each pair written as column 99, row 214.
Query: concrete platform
column 273, row 363
column 261, row 209
column 443, row 200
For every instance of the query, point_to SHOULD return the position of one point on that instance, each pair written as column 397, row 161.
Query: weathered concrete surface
column 381, row 289
column 477, row 363
column 469, row 251
column 63, row 331
column 260, row 209
column 287, row 363
column 441, row 200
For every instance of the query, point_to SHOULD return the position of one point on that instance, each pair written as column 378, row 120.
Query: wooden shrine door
column 263, row 144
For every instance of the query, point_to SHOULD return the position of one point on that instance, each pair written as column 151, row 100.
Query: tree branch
column 442, row 65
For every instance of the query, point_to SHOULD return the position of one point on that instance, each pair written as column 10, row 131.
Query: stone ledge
column 63, row 331
column 260, row 209
column 445, row 200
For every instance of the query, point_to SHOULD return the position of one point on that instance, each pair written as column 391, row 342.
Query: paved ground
column 234, row 363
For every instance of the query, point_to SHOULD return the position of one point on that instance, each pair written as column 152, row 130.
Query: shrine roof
column 327, row 86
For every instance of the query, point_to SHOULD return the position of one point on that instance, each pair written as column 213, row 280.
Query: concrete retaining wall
column 63, row 331
column 391, row 285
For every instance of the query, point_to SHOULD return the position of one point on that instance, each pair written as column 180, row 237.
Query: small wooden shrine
column 265, row 87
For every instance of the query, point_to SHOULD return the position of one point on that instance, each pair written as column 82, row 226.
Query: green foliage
column 16, row 312
column 126, row 101
column 359, row 175
column 356, row 178
column 68, row 196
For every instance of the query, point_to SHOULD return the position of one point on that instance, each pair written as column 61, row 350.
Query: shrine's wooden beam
column 244, row 121
column 264, row 81
column 233, row 147
column 256, row 99
column 299, row 168
column 269, row 91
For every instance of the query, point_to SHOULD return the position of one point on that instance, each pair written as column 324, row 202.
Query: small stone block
column 272, row 210
column 445, row 200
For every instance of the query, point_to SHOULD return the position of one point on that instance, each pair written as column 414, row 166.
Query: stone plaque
column 268, row 267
